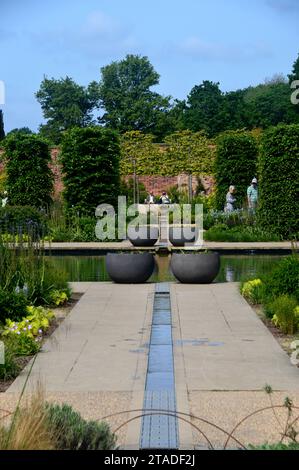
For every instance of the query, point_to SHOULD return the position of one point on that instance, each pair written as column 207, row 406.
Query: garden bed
column 60, row 314
column 283, row 339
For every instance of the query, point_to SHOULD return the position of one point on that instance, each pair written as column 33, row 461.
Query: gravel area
column 91, row 405
column 226, row 409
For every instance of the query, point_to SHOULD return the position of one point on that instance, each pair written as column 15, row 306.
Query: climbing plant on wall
column 182, row 152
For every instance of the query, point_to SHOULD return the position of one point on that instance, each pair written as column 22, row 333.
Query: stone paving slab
column 99, row 345
column 225, row 346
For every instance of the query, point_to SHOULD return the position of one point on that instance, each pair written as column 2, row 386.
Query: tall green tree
column 295, row 71
column 2, row 133
column 205, row 109
column 270, row 104
column 65, row 104
column 20, row 130
column 127, row 99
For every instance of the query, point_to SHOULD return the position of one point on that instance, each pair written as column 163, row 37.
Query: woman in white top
column 230, row 200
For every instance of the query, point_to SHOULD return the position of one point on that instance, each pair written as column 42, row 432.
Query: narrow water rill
column 159, row 431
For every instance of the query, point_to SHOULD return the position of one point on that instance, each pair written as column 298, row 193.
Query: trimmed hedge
column 279, row 180
column 236, row 164
column 29, row 177
column 90, row 165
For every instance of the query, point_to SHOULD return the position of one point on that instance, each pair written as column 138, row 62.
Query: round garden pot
column 177, row 237
column 147, row 236
column 127, row 268
column 195, row 268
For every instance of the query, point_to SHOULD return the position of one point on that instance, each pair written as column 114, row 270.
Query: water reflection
column 233, row 268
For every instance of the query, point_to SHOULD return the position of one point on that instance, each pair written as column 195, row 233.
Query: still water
column 233, row 267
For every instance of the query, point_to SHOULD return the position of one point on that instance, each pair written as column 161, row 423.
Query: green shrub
column 10, row 369
column 279, row 446
column 284, row 279
column 278, row 208
column 22, row 344
column 29, row 177
column 236, row 164
column 253, row 291
column 284, row 314
column 90, row 161
column 12, row 305
column 74, row 433
column 223, row 233
column 19, row 220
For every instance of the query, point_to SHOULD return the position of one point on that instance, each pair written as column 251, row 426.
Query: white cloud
column 195, row 47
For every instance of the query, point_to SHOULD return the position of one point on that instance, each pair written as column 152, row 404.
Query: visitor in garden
column 4, row 199
column 150, row 198
column 252, row 195
column 230, row 199
column 164, row 199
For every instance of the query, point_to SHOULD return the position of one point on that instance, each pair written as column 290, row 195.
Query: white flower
column 18, row 333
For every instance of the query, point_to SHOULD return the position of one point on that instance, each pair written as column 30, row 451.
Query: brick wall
column 157, row 184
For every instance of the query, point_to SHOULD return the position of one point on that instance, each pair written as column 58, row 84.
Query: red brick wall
column 157, row 184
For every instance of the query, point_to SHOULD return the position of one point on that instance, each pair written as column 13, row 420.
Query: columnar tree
column 235, row 164
column 279, row 180
column 90, row 164
column 29, row 177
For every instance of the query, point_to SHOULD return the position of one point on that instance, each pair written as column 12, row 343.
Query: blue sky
column 236, row 42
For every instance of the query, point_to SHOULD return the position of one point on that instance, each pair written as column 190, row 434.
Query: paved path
column 220, row 246
column 223, row 357
column 224, row 344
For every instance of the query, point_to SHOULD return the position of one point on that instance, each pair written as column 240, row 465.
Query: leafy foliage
column 20, row 220
column 235, row 164
column 279, row 180
column 253, row 291
column 90, row 161
column 10, row 369
column 13, row 305
column 184, row 152
column 29, row 178
column 285, row 314
column 205, row 109
column 75, row 433
column 284, row 279
column 126, row 95
column 223, row 233
column 65, row 104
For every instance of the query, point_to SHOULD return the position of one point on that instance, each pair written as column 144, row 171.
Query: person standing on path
column 230, row 200
column 252, row 195
column 150, row 198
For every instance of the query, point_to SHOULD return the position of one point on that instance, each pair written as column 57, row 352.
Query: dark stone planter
column 177, row 238
column 147, row 236
column 195, row 268
column 127, row 268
